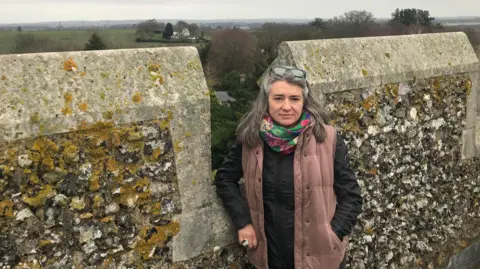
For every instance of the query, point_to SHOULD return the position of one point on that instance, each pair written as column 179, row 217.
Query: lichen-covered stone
column 70, row 212
column 406, row 106
column 98, row 154
column 419, row 196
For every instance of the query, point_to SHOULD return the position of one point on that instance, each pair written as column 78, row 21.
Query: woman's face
column 285, row 103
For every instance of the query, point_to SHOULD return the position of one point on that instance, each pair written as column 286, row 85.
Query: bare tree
column 146, row 29
column 232, row 50
column 193, row 28
column 181, row 25
column 354, row 23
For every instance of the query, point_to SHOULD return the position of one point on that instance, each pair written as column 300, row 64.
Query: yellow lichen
column 370, row 102
column 98, row 201
column 151, row 237
column 134, row 194
column 83, row 107
column 41, row 197
column 86, row 216
column 43, row 243
column 102, row 95
column 70, row 65
column 108, row 218
column 83, row 73
column 77, row 203
column 6, row 209
column 70, row 153
column 108, row 115
column 68, row 97
column 154, row 67
column 156, row 153
column 137, row 97
column 104, row 75
column 468, row 86
column 177, row 146
column 48, row 164
column 66, row 110
column 35, row 118
column 364, row 72
column 94, row 183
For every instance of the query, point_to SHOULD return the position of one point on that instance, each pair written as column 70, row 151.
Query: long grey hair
column 249, row 127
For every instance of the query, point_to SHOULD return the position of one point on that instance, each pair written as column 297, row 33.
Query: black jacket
column 278, row 196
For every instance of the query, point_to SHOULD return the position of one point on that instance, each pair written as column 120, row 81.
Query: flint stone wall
column 406, row 107
column 105, row 162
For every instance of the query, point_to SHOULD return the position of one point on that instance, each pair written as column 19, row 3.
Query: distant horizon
column 206, row 20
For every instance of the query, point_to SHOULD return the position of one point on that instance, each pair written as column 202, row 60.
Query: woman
column 301, row 197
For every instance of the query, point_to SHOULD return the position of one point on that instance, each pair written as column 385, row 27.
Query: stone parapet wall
column 105, row 162
column 406, row 106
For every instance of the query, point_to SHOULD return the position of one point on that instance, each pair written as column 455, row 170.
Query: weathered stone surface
column 406, row 108
column 101, row 155
column 353, row 63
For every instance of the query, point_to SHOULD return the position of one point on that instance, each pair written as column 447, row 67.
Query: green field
column 76, row 39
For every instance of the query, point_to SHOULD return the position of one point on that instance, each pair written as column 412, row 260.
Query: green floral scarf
column 282, row 139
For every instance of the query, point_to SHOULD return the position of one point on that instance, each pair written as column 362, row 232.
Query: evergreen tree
column 95, row 43
column 168, row 33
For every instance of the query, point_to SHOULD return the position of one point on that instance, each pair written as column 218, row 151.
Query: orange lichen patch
column 137, row 97
column 83, row 107
column 151, row 237
column 131, row 195
column 66, row 110
column 4, row 77
column 41, row 197
column 369, row 230
column 48, row 164
column 373, row 171
column 70, row 65
column 83, row 73
column 108, row 219
column 156, row 153
column 370, row 102
column 6, row 209
column 68, row 97
column 43, row 148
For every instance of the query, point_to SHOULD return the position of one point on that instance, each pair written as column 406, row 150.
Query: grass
column 76, row 39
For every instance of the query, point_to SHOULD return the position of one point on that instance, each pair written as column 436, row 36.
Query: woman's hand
column 248, row 233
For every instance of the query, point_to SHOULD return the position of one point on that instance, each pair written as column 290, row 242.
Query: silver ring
column 245, row 243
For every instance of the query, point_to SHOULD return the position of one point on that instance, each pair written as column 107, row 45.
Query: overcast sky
column 24, row 11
